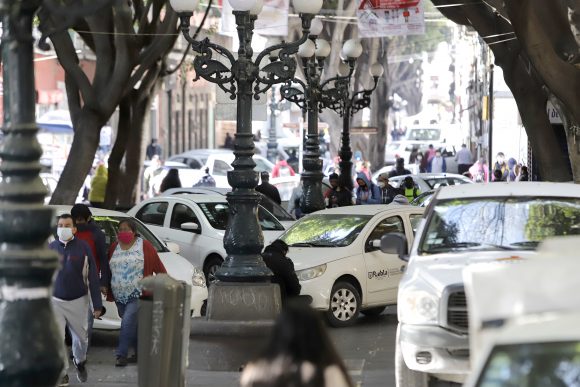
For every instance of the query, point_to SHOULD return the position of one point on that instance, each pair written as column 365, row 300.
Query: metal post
column 31, row 348
column 312, row 199
column 345, row 152
column 272, row 133
column 490, row 117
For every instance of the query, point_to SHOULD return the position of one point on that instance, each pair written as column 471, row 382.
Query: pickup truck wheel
column 374, row 311
column 344, row 305
column 212, row 264
column 405, row 377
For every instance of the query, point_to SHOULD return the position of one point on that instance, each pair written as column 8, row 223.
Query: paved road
column 367, row 347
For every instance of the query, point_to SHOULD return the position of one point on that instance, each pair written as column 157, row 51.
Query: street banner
column 378, row 18
column 272, row 21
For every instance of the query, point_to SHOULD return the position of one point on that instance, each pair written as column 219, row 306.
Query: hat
column 400, row 199
column 80, row 211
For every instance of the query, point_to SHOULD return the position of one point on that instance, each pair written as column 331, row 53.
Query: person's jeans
column 128, row 335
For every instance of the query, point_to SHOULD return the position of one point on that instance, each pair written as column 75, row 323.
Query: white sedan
column 339, row 264
column 197, row 223
column 177, row 266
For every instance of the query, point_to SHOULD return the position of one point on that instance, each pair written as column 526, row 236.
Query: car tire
column 371, row 312
column 404, row 376
column 344, row 305
column 212, row 264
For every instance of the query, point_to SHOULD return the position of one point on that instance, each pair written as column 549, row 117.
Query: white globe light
column 307, row 6
column 376, row 70
column 352, row 48
column 257, row 8
column 316, row 27
column 272, row 41
column 343, row 69
column 184, row 5
column 242, row 5
column 307, row 49
column 322, row 48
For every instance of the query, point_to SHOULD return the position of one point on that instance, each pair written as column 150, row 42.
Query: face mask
column 125, row 237
column 65, row 234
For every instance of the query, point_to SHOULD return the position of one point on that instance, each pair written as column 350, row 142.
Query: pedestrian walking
column 76, row 278
column 293, row 160
column 367, row 192
column 131, row 258
column 229, row 141
column 388, row 192
column 512, row 169
column 153, row 149
column 299, row 354
column 151, row 176
column 294, row 202
column 171, row 180
column 400, row 169
column 464, row 159
column 98, row 187
column 524, row 174
column 281, row 168
column 282, row 267
column 337, row 195
column 410, row 191
column 268, row 189
column 437, row 164
column 502, row 166
column 479, row 171
column 95, row 238
column 206, row 180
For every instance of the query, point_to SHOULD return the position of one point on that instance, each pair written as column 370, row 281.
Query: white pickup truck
column 464, row 225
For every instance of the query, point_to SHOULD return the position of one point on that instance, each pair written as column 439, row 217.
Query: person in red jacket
column 130, row 260
column 282, row 168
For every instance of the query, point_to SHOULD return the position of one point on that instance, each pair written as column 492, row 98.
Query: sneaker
column 81, row 371
column 64, row 381
column 121, row 361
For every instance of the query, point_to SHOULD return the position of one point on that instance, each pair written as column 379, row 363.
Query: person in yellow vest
column 98, row 187
column 409, row 189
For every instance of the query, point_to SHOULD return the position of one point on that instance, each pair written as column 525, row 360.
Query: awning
column 56, row 121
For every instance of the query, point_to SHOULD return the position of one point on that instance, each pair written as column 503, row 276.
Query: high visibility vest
column 410, row 193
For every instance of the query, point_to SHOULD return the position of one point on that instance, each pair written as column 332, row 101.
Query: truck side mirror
column 395, row 243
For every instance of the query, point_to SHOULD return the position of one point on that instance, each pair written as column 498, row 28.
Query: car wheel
column 344, row 304
column 212, row 264
column 373, row 311
column 404, row 376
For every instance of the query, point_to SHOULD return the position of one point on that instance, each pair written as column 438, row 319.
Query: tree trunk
column 78, row 165
column 380, row 118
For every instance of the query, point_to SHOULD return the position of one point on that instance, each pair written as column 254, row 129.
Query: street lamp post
column 275, row 107
column 244, row 79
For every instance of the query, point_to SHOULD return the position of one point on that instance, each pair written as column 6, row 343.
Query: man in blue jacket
column 75, row 279
column 367, row 192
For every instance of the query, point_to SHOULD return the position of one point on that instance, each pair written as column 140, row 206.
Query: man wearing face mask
column 75, row 279
column 437, row 164
column 388, row 192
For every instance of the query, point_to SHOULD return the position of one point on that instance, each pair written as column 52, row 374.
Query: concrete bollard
column 164, row 325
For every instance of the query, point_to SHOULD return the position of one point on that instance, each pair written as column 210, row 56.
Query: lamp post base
column 240, row 318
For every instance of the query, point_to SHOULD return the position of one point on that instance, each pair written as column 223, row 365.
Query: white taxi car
column 177, row 266
column 339, row 264
column 197, row 223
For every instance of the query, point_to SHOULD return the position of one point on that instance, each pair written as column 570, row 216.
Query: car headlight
column 198, row 279
column 417, row 307
column 313, row 272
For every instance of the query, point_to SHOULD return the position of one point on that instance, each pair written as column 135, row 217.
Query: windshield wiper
column 301, row 244
column 466, row 245
column 312, row 244
column 529, row 244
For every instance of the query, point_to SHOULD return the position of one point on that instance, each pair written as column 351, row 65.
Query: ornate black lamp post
column 244, row 79
column 349, row 104
column 275, row 107
column 313, row 97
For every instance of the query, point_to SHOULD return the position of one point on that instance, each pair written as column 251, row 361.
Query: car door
column 220, row 173
column 153, row 214
column 383, row 270
column 187, row 240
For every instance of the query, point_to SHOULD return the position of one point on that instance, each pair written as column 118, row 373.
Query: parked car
column 218, row 161
column 338, row 261
column 268, row 204
column 287, row 184
column 466, row 224
column 197, row 223
column 176, row 265
column 428, row 181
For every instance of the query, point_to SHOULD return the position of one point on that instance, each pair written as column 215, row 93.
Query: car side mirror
column 191, row 226
column 173, row 247
column 395, row 243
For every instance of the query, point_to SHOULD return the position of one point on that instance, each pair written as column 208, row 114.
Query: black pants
column 462, row 168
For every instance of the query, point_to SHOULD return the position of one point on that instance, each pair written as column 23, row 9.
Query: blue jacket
column 70, row 283
column 374, row 191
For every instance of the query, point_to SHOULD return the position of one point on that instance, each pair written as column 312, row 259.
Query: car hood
column 306, row 257
column 177, row 267
column 442, row 270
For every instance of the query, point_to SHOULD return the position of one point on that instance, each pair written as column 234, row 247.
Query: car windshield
column 325, row 230
column 217, row 215
column 553, row 364
column 434, row 182
column 110, row 225
column 424, row 134
column 499, row 223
